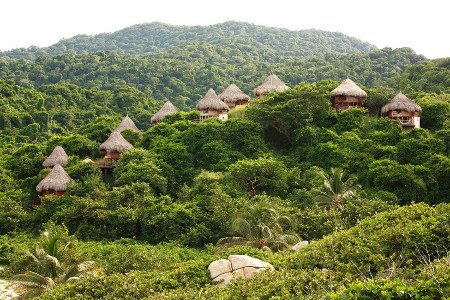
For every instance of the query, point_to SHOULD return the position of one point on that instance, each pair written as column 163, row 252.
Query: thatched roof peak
column 167, row 109
column 271, row 84
column 401, row 102
column 56, row 180
column 127, row 123
column 115, row 143
column 57, row 157
column 211, row 101
column 233, row 94
column 349, row 88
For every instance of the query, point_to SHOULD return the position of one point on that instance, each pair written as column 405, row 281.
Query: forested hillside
column 428, row 76
column 369, row 195
column 188, row 183
column 157, row 37
column 183, row 75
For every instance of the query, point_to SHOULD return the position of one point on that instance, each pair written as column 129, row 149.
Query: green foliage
column 261, row 225
column 171, row 272
column 349, row 119
column 283, row 113
column 336, row 189
column 50, row 263
column 255, row 176
column 99, row 129
column 399, row 179
column 12, row 248
column 429, row 76
column 182, row 73
column 435, row 111
column 419, row 225
column 139, row 165
column 433, row 282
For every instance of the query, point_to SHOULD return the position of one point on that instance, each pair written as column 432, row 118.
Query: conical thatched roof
column 233, row 94
column 115, row 143
column 348, row 88
column 401, row 102
column 56, row 180
column 57, row 157
column 127, row 123
column 271, row 84
column 211, row 101
column 167, row 109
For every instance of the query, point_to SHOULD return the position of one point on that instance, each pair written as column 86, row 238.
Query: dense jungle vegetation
column 372, row 199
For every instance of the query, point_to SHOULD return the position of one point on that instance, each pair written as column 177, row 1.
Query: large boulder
column 242, row 261
column 222, row 271
column 299, row 245
column 219, row 267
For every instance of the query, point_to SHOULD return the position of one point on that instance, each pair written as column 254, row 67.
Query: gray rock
column 223, row 279
column 222, row 271
column 241, row 261
column 219, row 267
column 300, row 245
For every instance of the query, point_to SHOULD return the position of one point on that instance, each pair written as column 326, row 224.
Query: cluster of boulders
column 222, row 271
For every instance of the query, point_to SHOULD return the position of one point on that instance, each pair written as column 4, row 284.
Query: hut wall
column 406, row 118
column 344, row 102
column 206, row 114
column 260, row 95
column 416, row 120
column 223, row 116
column 232, row 104
column 241, row 103
column 112, row 155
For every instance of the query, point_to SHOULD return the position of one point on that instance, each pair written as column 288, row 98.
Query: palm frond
column 242, row 227
column 73, row 279
column 72, row 272
column 32, row 279
column 86, row 266
column 234, row 240
column 265, row 231
column 34, row 258
column 32, row 293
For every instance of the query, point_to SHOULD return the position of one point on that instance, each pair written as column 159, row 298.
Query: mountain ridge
column 154, row 37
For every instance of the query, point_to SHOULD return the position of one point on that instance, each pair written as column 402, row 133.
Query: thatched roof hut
column 127, row 123
column 233, row 95
column 212, row 102
column 271, row 84
column 167, row 109
column 349, row 88
column 56, row 180
column 401, row 103
column 57, row 157
column 115, row 143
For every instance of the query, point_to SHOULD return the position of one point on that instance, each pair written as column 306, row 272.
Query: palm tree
column 336, row 191
column 261, row 226
column 49, row 267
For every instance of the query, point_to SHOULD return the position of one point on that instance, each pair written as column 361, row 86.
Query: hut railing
column 105, row 162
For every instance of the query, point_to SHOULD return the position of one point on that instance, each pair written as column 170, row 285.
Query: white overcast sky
column 421, row 25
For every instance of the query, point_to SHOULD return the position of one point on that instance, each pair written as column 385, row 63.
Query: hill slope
column 156, row 37
column 184, row 74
